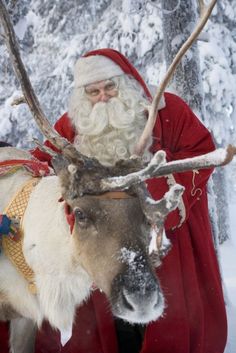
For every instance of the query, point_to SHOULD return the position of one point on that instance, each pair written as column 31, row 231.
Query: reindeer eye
column 80, row 215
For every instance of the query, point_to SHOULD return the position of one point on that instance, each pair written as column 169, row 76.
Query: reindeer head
column 112, row 230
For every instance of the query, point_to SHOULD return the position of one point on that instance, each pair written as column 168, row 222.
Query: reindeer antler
column 205, row 12
column 157, row 211
column 156, row 168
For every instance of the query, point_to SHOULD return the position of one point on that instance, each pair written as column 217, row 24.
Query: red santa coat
column 195, row 318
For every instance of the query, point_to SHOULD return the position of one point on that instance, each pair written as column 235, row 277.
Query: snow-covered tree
column 179, row 20
column 218, row 54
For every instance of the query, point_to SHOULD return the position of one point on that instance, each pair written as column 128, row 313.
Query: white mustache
column 112, row 113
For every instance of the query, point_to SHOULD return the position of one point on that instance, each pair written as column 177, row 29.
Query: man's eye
column 110, row 86
column 93, row 93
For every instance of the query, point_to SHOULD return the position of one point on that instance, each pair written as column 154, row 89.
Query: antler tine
column 157, row 211
column 205, row 12
column 216, row 158
column 230, row 153
column 125, row 182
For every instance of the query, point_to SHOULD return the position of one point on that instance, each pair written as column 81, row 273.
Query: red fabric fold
column 35, row 167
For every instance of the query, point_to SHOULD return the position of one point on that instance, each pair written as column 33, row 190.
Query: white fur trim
column 94, row 69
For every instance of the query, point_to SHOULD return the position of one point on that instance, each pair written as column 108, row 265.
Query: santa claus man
column 106, row 116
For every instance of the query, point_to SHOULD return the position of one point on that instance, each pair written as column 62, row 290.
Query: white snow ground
column 228, row 265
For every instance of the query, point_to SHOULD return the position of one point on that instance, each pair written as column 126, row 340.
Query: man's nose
column 104, row 97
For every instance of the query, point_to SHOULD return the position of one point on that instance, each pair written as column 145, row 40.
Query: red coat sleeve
column 64, row 127
column 181, row 134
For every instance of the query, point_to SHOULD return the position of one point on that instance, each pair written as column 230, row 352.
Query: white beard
column 109, row 130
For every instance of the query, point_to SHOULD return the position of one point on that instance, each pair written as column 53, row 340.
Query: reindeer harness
column 15, row 210
column 12, row 247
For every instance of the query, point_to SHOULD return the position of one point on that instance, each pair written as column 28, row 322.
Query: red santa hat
column 102, row 64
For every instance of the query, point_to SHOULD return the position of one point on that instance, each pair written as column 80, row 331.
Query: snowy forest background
column 53, row 34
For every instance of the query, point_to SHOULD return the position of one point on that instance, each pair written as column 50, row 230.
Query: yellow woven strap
column 12, row 248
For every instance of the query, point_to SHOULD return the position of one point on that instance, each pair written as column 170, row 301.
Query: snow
column 228, row 268
column 21, row 28
column 122, row 182
column 128, row 256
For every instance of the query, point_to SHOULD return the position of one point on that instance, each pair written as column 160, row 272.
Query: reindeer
column 104, row 249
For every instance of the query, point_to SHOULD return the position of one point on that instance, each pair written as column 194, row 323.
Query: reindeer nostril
column 126, row 303
column 158, row 301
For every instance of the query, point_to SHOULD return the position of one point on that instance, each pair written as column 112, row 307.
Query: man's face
column 101, row 91
column 109, row 116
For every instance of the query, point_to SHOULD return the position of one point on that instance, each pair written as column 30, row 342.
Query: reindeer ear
column 59, row 163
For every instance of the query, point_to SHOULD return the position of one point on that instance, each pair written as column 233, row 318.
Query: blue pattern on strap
column 5, row 225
